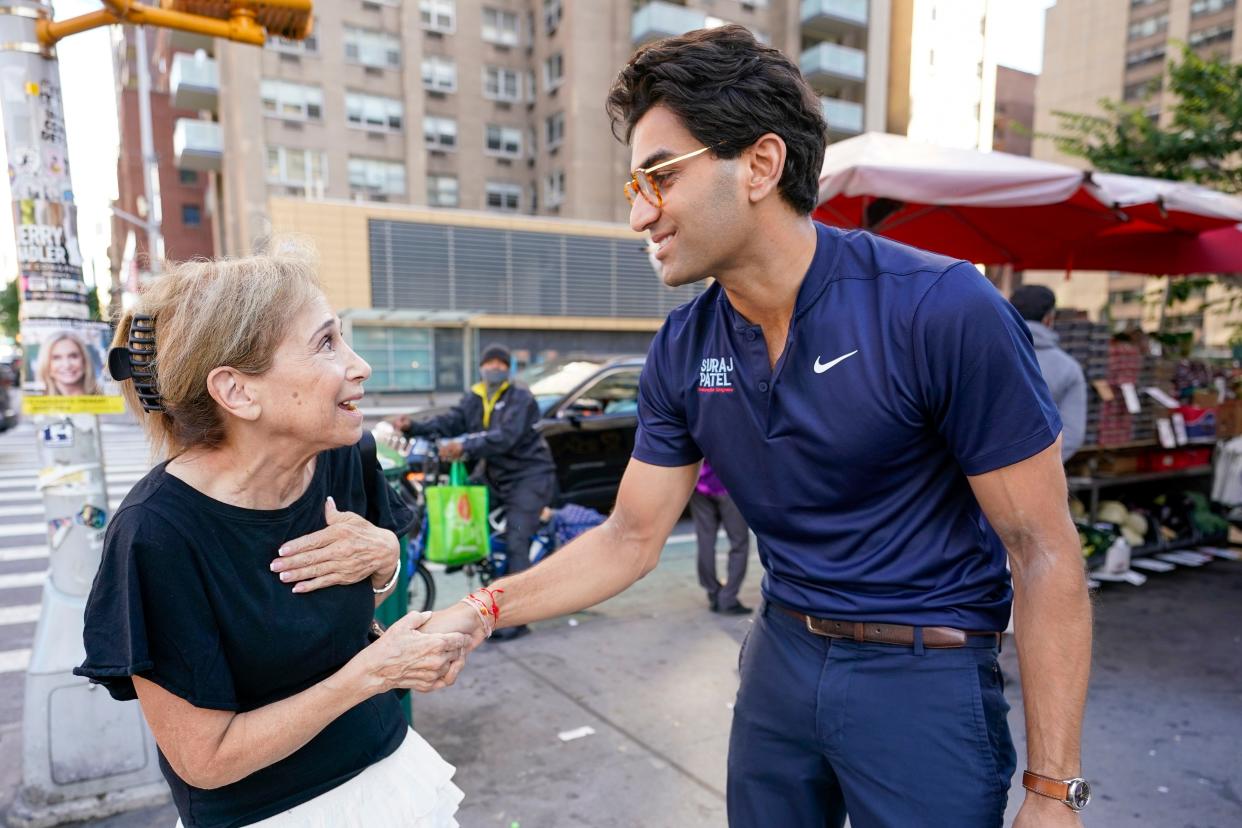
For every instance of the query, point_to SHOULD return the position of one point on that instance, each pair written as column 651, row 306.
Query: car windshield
column 549, row 381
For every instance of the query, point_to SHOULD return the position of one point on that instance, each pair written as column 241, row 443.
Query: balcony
column 843, row 117
column 659, row 19
column 194, row 82
column 198, row 145
column 828, row 61
column 826, row 19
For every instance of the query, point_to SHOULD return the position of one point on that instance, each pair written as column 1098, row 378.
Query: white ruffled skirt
column 412, row 787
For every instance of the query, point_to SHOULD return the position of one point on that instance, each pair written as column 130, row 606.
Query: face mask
column 495, row 376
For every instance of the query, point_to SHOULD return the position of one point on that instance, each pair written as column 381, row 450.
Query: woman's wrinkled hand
column 404, row 657
column 348, row 550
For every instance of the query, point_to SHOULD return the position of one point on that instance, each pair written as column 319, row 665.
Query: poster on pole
column 65, row 368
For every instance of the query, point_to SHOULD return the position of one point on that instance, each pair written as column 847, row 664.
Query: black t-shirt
column 185, row 598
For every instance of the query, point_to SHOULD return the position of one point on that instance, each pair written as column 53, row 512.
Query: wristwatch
column 1075, row 793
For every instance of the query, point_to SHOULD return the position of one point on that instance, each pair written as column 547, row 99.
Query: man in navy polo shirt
column 879, row 417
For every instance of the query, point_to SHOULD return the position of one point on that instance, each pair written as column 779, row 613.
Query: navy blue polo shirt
column 903, row 373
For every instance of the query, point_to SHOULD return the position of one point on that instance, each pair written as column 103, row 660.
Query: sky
column 91, row 121
column 1019, row 30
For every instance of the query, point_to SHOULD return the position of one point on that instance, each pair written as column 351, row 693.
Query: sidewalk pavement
column 653, row 674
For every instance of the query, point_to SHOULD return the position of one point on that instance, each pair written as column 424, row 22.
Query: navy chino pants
column 894, row 738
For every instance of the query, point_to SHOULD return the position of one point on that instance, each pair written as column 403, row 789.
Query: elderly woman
column 67, row 369
column 239, row 578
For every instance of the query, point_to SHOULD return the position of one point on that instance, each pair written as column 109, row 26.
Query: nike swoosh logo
column 821, row 367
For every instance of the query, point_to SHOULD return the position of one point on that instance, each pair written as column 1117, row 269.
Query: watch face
column 1079, row 794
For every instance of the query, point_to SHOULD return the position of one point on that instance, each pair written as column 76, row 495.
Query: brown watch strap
column 1042, row 785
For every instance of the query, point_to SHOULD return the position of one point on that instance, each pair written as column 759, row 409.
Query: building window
column 375, row 49
column 438, row 15
column 296, row 167
column 506, row 197
column 375, row 177
column 1142, row 56
column 531, row 91
column 439, row 74
column 291, row 101
column 554, row 189
column 1202, row 7
column 187, row 176
column 191, row 215
column 553, row 72
column 373, row 111
column 500, row 84
column 501, row 27
column 554, row 127
column 1152, row 25
column 401, row 359
column 1212, row 34
column 307, row 46
column 1140, row 90
column 552, row 14
column 440, row 133
column 503, row 140
column 442, row 191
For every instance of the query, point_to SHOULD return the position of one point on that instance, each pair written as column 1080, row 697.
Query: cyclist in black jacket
column 495, row 421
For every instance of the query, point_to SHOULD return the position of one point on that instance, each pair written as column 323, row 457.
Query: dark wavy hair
column 728, row 90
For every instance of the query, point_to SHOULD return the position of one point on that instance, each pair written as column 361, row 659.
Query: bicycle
column 419, row 468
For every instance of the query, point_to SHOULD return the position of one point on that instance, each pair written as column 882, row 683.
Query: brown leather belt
column 935, row 638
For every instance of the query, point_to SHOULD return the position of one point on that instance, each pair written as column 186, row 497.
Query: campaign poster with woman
column 66, row 368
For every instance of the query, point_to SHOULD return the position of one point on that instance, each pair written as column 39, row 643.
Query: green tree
column 1200, row 143
column 8, row 309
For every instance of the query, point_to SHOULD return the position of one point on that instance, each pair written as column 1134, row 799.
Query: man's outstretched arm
column 1026, row 504
column 596, row 565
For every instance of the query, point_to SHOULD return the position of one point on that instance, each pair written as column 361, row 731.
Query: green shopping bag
column 457, row 530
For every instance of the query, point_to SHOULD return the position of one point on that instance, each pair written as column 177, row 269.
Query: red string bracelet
column 491, row 596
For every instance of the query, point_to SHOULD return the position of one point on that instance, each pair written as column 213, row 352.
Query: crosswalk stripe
column 18, row 485
column 14, row 661
column 17, row 530
column 22, row 580
column 23, row 553
column 21, row 614
column 33, row 496
column 34, row 507
column 31, row 470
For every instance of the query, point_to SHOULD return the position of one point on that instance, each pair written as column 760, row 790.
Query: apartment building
column 457, row 123
column 181, row 200
column 942, row 83
column 1120, row 49
column 1014, row 121
column 493, row 105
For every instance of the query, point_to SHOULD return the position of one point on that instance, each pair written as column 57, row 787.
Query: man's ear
column 234, row 392
column 764, row 163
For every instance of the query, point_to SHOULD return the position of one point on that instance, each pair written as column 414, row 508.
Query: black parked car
column 9, row 381
column 590, row 414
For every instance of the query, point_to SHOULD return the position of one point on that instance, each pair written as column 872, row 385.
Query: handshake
column 422, row 651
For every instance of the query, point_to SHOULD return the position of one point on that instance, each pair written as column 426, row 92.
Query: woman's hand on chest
column 348, row 550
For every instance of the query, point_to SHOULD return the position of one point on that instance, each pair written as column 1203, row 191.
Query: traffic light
column 242, row 21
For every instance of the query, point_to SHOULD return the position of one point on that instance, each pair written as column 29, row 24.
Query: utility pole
column 150, row 164
column 84, row 755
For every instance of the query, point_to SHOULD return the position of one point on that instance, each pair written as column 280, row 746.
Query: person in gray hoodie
column 1037, row 305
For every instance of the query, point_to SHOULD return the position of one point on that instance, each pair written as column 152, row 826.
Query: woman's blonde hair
column 89, row 384
column 208, row 314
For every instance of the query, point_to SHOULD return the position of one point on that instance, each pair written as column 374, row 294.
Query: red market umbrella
column 995, row 208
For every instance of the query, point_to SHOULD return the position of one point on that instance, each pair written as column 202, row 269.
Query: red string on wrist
column 491, row 596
